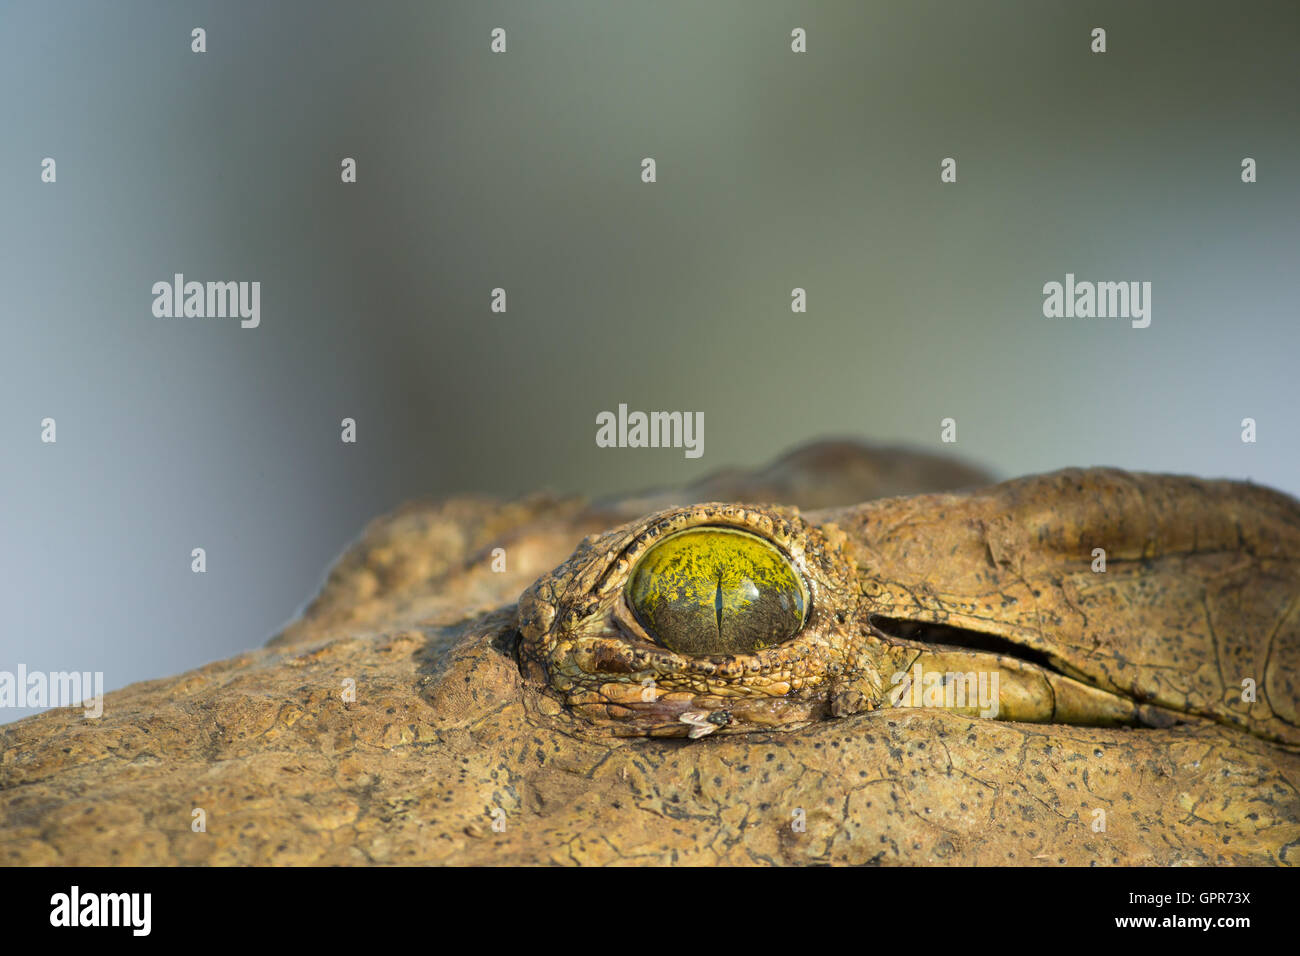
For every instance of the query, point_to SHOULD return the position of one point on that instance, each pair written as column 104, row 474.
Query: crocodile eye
column 716, row 590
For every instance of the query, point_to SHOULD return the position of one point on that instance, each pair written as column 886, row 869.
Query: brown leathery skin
column 1201, row 589
column 448, row 736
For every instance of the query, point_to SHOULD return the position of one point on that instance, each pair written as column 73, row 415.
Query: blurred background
column 522, row 170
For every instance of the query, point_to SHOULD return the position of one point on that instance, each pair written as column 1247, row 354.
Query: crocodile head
column 895, row 674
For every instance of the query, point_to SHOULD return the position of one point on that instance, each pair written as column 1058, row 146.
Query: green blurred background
column 522, row 170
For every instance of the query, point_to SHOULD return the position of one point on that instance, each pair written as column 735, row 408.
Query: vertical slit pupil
column 717, row 604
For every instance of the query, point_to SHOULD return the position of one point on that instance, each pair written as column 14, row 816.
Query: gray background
column 522, row 170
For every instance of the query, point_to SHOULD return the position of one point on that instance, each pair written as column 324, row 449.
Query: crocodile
column 854, row 655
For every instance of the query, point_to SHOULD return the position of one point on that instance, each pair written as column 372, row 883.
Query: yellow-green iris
column 711, row 591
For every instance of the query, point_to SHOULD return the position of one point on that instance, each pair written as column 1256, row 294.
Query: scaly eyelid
column 774, row 528
column 578, row 626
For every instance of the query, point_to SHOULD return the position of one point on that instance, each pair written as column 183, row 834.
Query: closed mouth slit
column 942, row 636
